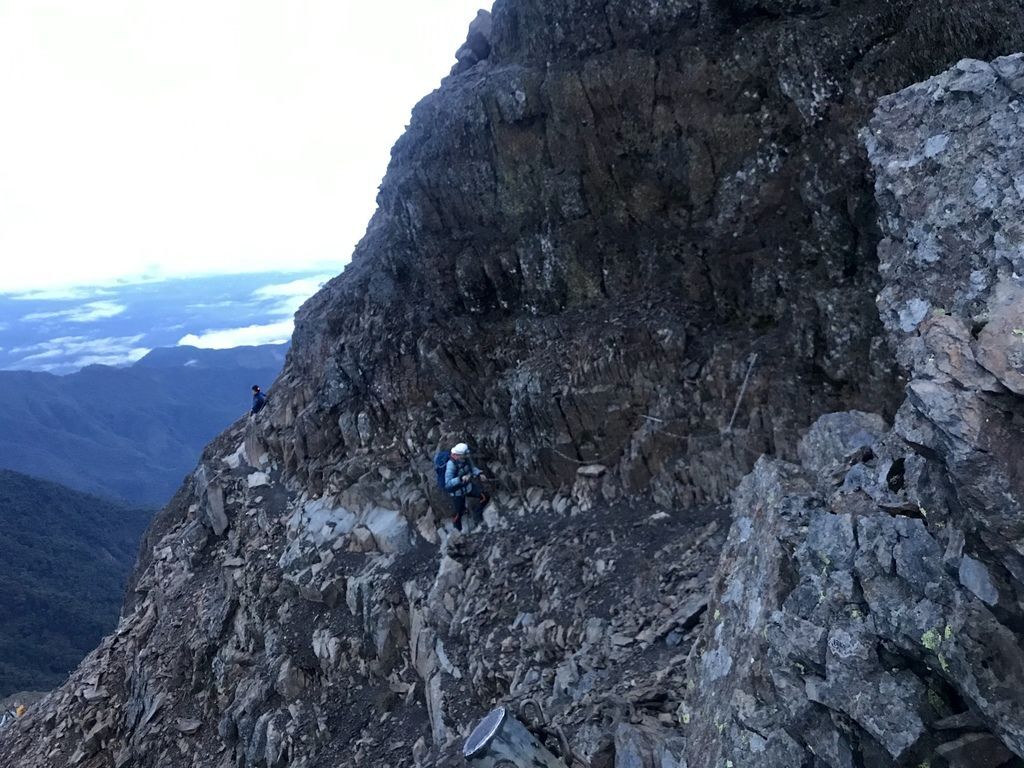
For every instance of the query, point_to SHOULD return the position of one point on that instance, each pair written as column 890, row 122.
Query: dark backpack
column 440, row 467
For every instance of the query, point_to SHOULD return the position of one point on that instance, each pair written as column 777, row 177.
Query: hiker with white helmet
column 461, row 478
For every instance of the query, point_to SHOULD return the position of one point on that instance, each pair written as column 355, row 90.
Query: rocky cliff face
column 883, row 624
column 639, row 239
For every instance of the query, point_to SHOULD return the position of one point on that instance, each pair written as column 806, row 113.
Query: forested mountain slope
column 65, row 559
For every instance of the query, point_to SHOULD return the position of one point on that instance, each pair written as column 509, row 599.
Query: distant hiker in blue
column 461, row 478
column 259, row 400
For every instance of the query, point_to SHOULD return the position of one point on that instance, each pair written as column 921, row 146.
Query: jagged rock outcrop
column 884, row 623
column 477, row 47
column 634, row 235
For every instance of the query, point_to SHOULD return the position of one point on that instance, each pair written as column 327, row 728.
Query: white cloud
column 59, row 293
column 114, row 358
column 252, row 335
column 197, row 137
column 72, row 352
column 42, row 354
column 86, row 313
column 290, row 296
column 225, row 304
column 284, row 300
column 304, row 287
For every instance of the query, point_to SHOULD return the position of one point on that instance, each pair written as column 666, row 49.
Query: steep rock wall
column 605, row 221
column 884, row 624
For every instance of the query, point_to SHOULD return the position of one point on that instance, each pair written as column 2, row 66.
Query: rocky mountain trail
column 302, row 621
column 631, row 255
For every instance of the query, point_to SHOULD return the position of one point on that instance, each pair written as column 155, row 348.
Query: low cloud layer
column 251, row 335
column 85, row 313
column 62, row 331
column 64, row 293
column 286, row 298
column 80, row 351
column 278, row 302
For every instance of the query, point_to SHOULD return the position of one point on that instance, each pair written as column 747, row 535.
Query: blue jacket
column 258, row 401
column 454, row 471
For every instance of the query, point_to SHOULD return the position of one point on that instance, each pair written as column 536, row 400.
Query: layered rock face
column 639, row 237
column 605, row 221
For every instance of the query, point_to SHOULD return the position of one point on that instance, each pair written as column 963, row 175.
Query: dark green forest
column 64, row 559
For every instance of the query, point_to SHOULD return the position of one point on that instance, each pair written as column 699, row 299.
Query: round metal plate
column 482, row 735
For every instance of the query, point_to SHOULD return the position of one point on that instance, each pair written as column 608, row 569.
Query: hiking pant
column 474, row 491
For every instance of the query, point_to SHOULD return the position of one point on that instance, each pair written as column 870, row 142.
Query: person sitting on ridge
column 259, row 400
column 460, row 480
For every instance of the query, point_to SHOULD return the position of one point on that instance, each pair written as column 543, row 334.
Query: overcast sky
column 151, row 138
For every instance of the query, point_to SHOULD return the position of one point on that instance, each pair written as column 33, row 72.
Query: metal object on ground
column 500, row 740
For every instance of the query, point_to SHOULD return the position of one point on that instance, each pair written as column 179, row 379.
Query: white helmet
column 460, row 450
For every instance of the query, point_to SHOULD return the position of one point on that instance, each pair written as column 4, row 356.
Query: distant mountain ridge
column 128, row 434
column 66, row 557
